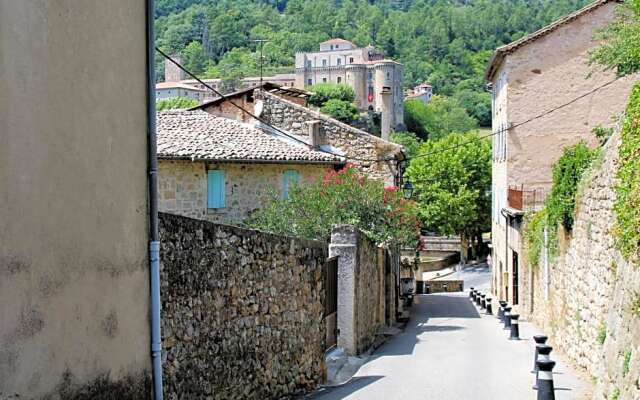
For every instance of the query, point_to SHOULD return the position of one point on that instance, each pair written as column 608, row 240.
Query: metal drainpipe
column 154, row 242
column 506, row 249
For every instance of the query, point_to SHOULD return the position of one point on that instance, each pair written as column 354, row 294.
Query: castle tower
column 356, row 78
column 171, row 71
column 384, row 98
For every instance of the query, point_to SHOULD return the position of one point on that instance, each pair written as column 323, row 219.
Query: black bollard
column 471, row 292
column 505, row 317
column 515, row 329
column 546, row 390
column 501, row 305
column 489, row 310
column 473, row 295
column 539, row 339
column 478, row 298
column 483, row 301
column 543, row 355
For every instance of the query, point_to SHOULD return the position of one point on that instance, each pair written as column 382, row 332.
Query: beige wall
column 538, row 77
column 73, row 198
column 183, row 187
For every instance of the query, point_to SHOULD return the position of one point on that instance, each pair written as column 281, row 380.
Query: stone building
column 285, row 108
column 543, row 101
column 377, row 81
column 422, row 92
column 171, row 90
column 220, row 170
column 74, row 236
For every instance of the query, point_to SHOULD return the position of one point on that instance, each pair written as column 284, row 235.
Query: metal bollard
column 515, row 328
column 483, row 301
column 546, row 390
column 543, row 355
column 505, row 317
column 489, row 310
column 501, row 305
column 539, row 339
column 478, row 297
column 471, row 292
column 473, row 295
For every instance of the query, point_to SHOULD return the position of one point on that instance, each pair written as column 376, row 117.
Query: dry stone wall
column 584, row 301
column 359, row 145
column 242, row 312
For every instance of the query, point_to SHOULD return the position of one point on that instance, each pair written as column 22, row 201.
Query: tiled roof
column 502, row 51
column 336, row 41
column 198, row 135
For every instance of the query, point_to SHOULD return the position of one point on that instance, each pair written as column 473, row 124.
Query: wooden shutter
column 291, row 177
column 215, row 189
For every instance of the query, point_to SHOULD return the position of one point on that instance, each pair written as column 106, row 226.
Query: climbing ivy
column 627, row 206
column 560, row 205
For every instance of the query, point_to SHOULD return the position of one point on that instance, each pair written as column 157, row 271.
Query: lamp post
column 407, row 190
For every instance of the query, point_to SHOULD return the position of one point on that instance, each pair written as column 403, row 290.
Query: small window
column 309, row 81
column 337, row 46
column 339, row 79
column 215, row 189
column 350, row 60
column 290, row 178
column 324, row 80
column 324, row 62
column 339, row 61
column 331, row 47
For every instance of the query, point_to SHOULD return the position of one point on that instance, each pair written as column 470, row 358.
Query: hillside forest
column 446, row 43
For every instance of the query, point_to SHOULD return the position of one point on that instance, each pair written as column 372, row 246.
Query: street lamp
column 407, row 190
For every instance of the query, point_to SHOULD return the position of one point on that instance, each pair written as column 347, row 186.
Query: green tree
column 235, row 65
column 194, row 59
column 416, row 117
column 441, row 116
column 323, row 92
column 341, row 110
column 477, row 105
column 621, row 48
column 342, row 197
column 408, row 140
column 176, row 103
column 452, row 181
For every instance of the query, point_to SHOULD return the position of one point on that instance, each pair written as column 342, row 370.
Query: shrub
column 341, row 110
column 626, row 364
column 408, row 140
column 602, row 334
column 342, row 197
column 176, row 103
column 627, row 206
column 323, row 92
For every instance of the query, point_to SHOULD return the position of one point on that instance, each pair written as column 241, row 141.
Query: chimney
column 317, row 136
column 171, row 71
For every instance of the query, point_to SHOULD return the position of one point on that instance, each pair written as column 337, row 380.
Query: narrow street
column 449, row 351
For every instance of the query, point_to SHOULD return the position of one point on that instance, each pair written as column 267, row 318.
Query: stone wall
column 359, row 145
column 182, row 187
column 586, row 292
column 241, row 312
column 366, row 288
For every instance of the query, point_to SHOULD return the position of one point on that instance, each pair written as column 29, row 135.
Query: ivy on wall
column 560, row 205
column 627, row 206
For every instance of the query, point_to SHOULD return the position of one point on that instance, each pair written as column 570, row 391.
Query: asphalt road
column 449, row 351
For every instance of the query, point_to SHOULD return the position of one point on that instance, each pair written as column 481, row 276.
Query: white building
column 171, row 90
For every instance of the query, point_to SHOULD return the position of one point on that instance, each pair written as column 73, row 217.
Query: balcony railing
column 523, row 199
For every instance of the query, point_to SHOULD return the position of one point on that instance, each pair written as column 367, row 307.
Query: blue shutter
column 215, row 189
column 290, row 178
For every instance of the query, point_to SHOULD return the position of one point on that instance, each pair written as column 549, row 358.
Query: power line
column 261, row 120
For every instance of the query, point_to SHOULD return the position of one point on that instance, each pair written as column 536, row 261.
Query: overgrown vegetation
column 602, row 334
column 323, row 92
column 409, row 140
column 603, row 134
column 342, row 197
column 627, row 206
column 176, row 103
column 626, row 363
column 341, row 110
column 560, row 205
column 436, row 119
column 635, row 305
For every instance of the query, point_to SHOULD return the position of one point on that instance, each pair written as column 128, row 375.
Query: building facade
column 377, row 81
column 422, row 92
column 172, row 90
column 544, row 100
column 221, row 170
column 74, row 237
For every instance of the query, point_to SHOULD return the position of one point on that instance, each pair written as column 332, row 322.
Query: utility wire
column 475, row 139
column 261, row 120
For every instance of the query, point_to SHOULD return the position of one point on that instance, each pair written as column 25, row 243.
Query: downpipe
column 154, row 241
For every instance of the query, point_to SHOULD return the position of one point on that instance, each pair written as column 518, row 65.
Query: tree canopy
column 176, row 103
column 446, row 43
column 436, row 119
column 452, row 181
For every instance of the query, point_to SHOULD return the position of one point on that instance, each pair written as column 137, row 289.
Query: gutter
column 154, row 241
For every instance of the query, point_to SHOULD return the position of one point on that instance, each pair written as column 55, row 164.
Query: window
column 215, row 189
column 339, row 61
column 309, row 81
column 324, row 62
column 337, row 46
column 324, row 80
column 350, row 60
column 290, row 178
column 339, row 79
column 331, row 47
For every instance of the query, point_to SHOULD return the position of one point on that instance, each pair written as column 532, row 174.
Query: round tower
column 384, row 92
column 357, row 79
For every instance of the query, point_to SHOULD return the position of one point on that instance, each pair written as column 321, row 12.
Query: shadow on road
column 445, row 306
column 342, row 391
